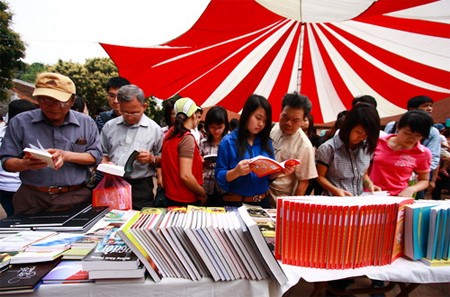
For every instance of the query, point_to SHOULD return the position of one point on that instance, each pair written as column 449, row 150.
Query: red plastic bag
column 112, row 191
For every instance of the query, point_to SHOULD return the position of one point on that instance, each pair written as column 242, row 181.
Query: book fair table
column 402, row 272
column 405, row 273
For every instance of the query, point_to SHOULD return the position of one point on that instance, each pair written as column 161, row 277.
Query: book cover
column 22, row 239
column 263, row 166
column 111, row 253
column 82, row 222
column 24, row 277
column 67, row 272
column 47, row 218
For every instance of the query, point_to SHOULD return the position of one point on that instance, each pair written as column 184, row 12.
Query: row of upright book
column 427, row 232
column 340, row 232
column 223, row 243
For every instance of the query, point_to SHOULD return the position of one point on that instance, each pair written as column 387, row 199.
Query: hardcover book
column 111, row 253
column 263, row 166
column 23, row 278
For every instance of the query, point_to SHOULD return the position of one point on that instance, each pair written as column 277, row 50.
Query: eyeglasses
column 49, row 101
column 130, row 114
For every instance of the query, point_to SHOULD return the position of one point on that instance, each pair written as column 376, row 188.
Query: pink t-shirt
column 391, row 170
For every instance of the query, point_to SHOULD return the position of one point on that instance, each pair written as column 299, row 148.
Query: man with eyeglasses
column 290, row 142
column 129, row 132
column 112, row 87
column 70, row 137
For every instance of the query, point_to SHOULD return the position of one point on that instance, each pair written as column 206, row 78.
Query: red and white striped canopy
column 329, row 50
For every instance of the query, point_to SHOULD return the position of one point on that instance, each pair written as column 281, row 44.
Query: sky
column 71, row 30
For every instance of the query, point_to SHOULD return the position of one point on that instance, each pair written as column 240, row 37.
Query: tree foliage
column 12, row 50
column 90, row 80
column 31, row 71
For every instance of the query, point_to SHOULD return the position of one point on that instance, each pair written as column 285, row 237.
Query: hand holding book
column 263, row 166
column 36, row 153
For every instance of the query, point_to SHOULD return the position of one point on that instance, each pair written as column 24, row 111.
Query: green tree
column 89, row 78
column 12, row 50
column 31, row 71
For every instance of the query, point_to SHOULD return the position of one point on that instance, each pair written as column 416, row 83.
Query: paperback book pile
column 112, row 258
column 427, row 232
column 339, row 232
column 192, row 242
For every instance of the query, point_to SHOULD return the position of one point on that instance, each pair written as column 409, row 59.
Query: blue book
column 442, row 229
column 417, row 222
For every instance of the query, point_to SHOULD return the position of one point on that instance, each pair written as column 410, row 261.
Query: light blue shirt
column 119, row 140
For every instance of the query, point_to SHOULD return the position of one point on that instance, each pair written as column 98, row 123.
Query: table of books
column 401, row 271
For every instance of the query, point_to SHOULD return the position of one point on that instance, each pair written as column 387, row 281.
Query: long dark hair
column 367, row 116
column 178, row 129
column 216, row 115
column 253, row 103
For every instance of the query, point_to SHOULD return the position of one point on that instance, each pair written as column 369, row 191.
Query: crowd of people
column 356, row 156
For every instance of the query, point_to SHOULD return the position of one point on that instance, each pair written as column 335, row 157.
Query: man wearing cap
column 129, row 132
column 70, row 137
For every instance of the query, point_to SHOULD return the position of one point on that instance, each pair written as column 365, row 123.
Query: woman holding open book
column 342, row 161
column 216, row 126
column 251, row 139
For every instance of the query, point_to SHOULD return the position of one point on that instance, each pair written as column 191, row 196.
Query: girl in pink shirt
column 397, row 156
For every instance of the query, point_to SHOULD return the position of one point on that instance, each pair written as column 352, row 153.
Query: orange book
column 296, row 239
column 304, row 208
column 333, row 229
column 343, row 237
column 352, row 236
column 397, row 247
column 391, row 215
column 285, row 232
column 279, row 228
column 263, row 166
column 321, row 221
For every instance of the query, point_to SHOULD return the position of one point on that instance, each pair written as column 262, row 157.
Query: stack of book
column 339, row 232
column 112, row 259
column 193, row 242
column 427, row 232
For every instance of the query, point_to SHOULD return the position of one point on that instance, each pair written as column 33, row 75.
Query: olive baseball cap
column 54, row 85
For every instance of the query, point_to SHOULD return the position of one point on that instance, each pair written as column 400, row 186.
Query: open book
column 263, row 166
column 210, row 158
column 117, row 169
column 40, row 154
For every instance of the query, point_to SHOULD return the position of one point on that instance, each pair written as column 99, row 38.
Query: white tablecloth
column 401, row 270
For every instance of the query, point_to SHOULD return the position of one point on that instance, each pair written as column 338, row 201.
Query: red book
column 263, row 166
